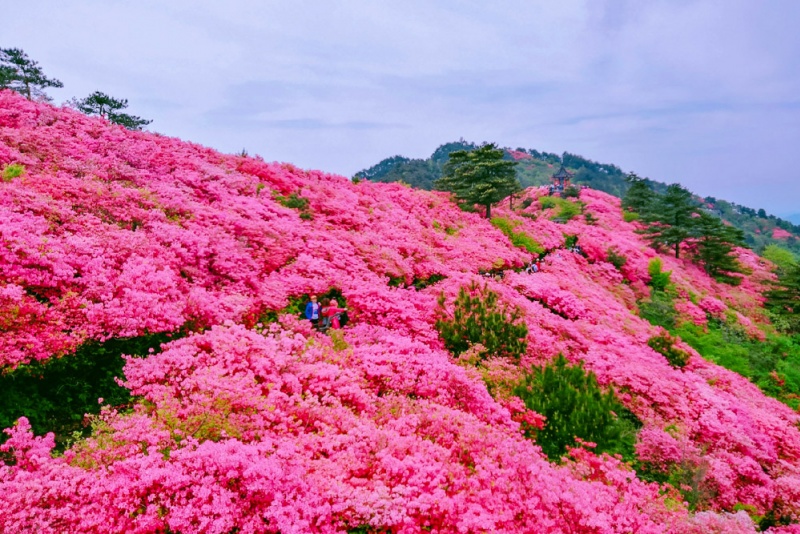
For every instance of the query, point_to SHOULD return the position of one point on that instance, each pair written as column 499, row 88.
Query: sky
column 705, row 93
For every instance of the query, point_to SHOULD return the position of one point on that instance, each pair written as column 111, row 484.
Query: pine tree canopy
column 479, row 176
column 21, row 74
column 639, row 196
column 670, row 218
column 784, row 298
column 109, row 107
column 713, row 247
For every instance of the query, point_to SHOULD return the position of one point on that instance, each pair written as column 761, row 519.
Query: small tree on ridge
column 108, row 107
column 21, row 74
column 479, row 176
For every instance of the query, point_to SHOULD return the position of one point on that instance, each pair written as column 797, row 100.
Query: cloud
column 699, row 92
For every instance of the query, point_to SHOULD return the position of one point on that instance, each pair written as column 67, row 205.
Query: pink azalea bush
column 278, row 428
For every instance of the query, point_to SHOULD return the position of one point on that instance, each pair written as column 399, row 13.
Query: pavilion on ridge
column 561, row 180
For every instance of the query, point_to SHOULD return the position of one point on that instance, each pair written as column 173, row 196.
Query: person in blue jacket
column 312, row 311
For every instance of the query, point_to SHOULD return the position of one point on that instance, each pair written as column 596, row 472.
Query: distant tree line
column 21, row 74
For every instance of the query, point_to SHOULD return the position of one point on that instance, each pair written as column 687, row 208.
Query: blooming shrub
column 111, row 234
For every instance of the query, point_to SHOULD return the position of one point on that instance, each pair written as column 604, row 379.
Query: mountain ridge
column 534, row 169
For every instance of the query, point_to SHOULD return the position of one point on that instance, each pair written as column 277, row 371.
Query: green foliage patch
column 664, row 344
column 616, row 259
column 55, row 394
column 478, row 317
column 518, row 239
column 659, row 280
column 773, row 364
column 576, row 406
column 296, row 202
column 11, row 171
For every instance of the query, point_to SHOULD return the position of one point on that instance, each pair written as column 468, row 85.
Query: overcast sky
column 705, row 93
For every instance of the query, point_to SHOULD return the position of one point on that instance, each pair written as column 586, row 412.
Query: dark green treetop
column 109, row 107
column 783, row 299
column 670, row 218
column 714, row 243
column 20, row 73
column 639, row 196
column 479, row 176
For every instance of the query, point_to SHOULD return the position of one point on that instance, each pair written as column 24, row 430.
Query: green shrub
column 518, row 239
column 659, row 310
column 630, row 216
column 56, row 393
column 293, row 201
column 547, row 202
column 527, row 202
column 11, row 171
column 590, row 219
column 664, row 344
column 780, row 256
column 478, row 317
column 567, row 211
column 773, row 364
column 615, row 258
column 658, row 280
column 572, row 192
column 575, row 406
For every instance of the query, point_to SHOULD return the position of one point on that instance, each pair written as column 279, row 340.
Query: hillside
column 534, row 168
column 247, row 419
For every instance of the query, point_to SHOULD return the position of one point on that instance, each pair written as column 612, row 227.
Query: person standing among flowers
column 312, row 311
column 333, row 312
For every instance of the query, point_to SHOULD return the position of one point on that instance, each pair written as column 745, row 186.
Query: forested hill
column 534, row 168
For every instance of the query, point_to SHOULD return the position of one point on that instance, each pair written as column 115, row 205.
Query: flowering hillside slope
column 256, row 425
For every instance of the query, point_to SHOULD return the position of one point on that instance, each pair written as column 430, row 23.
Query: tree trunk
column 488, row 211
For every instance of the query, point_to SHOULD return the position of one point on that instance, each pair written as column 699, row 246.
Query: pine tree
column 574, row 405
column 713, row 248
column 109, row 107
column 479, row 176
column 671, row 219
column 478, row 317
column 784, row 298
column 21, row 74
column 639, row 196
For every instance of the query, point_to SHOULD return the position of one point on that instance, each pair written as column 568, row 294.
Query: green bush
column 572, row 192
column 567, row 211
column 12, row 171
column 527, row 202
column 478, row 317
column 772, row 364
column 659, row 310
column 664, row 344
column 293, row 201
column 575, row 406
column 658, row 280
column 547, row 202
column 615, row 258
column 518, row 239
column 630, row 216
column 780, row 256
column 296, row 202
column 56, row 393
